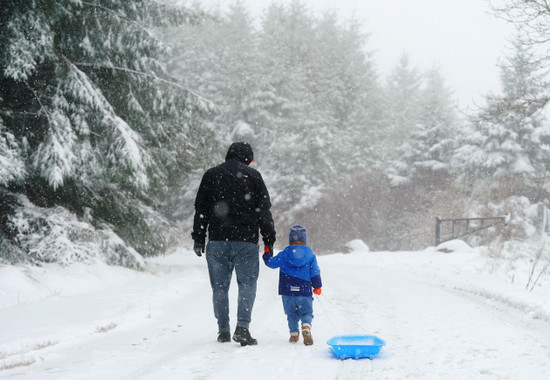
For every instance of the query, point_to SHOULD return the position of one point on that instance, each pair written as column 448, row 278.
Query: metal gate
column 455, row 228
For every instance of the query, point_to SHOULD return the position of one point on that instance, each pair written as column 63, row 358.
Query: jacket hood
column 298, row 255
column 241, row 151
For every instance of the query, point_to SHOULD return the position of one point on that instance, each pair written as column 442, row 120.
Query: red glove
column 317, row 291
column 268, row 249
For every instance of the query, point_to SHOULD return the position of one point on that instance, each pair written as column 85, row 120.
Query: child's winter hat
column 297, row 233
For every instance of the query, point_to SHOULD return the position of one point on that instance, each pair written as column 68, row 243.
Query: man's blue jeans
column 222, row 257
column 298, row 308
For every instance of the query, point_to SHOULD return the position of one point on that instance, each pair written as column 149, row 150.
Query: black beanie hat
column 242, row 151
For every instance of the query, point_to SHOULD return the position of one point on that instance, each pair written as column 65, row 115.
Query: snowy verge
column 499, row 279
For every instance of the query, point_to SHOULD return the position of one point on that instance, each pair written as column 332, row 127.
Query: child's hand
column 317, row 291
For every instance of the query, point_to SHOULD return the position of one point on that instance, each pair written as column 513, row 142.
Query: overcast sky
column 460, row 37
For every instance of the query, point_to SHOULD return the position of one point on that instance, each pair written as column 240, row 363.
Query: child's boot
column 294, row 337
column 306, row 332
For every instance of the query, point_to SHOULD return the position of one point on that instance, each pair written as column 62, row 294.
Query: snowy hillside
column 443, row 315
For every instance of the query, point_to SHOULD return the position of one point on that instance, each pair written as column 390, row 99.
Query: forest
column 110, row 112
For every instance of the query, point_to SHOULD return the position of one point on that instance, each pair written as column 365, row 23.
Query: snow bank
column 357, row 245
column 54, row 234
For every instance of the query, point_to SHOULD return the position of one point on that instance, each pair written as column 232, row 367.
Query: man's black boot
column 224, row 337
column 242, row 336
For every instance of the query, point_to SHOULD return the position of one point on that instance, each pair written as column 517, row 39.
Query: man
column 233, row 205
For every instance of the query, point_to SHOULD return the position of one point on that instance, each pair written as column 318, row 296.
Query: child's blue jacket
column 299, row 270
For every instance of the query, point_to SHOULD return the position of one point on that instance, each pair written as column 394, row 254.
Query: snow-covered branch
column 172, row 83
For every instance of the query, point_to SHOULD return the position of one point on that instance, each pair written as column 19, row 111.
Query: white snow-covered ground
column 455, row 315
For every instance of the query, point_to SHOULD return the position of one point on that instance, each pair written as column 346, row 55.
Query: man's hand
column 198, row 248
column 317, row 291
column 268, row 253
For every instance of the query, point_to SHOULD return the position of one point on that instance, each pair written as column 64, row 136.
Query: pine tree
column 346, row 93
column 12, row 167
column 285, row 108
column 90, row 111
column 217, row 59
column 510, row 139
column 402, row 95
column 429, row 145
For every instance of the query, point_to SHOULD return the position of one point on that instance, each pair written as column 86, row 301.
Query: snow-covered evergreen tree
column 285, row 42
column 439, row 122
column 510, row 137
column 89, row 114
column 217, row 59
column 429, row 145
column 12, row 167
column 346, row 92
column 403, row 111
column 327, row 92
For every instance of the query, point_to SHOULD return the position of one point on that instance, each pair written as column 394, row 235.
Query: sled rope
column 335, row 307
column 327, row 314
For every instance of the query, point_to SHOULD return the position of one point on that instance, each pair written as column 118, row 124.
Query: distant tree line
column 304, row 90
column 111, row 111
column 353, row 154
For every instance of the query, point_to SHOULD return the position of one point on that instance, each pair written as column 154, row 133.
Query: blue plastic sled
column 355, row 346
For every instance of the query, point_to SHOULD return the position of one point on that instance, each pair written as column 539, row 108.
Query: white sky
column 460, row 37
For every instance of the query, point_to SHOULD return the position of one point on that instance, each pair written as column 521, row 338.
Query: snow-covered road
column 442, row 316
column 437, row 327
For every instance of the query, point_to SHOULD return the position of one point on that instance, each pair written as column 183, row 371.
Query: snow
column 446, row 312
column 357, row 245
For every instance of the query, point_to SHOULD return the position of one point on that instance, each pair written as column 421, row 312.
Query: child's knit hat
column 297, row 233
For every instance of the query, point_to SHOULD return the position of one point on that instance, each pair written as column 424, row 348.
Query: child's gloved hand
column 317, row 291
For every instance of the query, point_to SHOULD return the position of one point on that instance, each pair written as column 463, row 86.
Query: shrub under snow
column 57, row 235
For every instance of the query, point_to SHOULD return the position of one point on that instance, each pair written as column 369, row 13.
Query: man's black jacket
column 233, row 203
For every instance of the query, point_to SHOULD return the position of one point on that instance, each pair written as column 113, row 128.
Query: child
column 298, row 274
